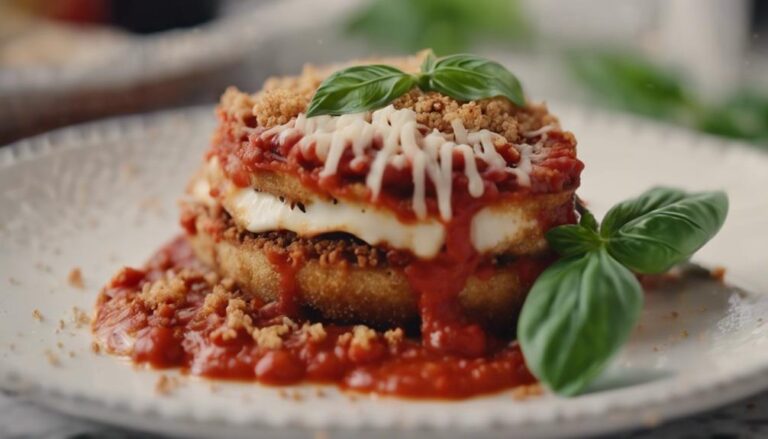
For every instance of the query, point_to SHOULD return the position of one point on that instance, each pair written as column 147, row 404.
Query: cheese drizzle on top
column 403, row 141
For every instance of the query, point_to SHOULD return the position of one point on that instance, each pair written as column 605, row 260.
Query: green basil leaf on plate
column 668, row 233
column 469, row 77
column 628, row 210
column 429, row 62
column 587, row 219
column 572, row 240
column 578, row 314
column 358, row 89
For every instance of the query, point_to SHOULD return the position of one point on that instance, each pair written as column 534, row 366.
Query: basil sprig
column 359, row 89
column 468, row 77
column 462, row 77
column 579, row 311
column 662, row 227
column 582, row 309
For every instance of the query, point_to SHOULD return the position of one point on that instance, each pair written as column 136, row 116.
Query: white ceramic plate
column 102, row 195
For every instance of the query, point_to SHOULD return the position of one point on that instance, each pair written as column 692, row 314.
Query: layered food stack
column 419, row 225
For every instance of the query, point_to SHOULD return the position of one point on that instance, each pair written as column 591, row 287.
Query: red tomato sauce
column 465, row 362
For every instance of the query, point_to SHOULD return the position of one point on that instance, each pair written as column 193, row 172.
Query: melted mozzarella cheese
column 259, row 212
column 494, row 227
column 262, row 212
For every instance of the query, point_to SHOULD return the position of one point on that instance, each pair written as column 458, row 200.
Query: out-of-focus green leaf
column 447, row 26
column 743, row 116
column 631, row 83
column 394, row 23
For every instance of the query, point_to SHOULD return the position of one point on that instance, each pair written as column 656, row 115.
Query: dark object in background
column 36, row 107
column 140, row 16
column 144, row 16
column 759, row 16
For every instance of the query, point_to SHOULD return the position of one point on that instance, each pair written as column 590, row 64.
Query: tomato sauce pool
column 171, row 314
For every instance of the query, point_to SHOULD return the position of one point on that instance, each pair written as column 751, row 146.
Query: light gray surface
column 744, row 419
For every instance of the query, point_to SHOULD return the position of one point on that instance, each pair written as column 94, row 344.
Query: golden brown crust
column 380, row 296
column 290, row 188
column 341, row 277
column 283, row 98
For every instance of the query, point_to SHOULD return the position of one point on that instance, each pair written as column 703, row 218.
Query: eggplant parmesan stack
column 386, row 251
column 427, row 209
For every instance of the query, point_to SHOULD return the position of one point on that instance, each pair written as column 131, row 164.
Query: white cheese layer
column 262, row 212
column 259, row 211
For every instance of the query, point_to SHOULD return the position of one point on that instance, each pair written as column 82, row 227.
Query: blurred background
column 702, row 64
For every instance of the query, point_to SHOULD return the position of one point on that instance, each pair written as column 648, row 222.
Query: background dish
column 103, row 195
column 120, row 72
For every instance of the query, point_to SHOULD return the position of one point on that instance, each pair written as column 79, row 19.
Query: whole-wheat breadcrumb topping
column 314, row 332
column 166, row 290
column 237, row 319
column 233, row 313
column 394, row 336
column 270, row 337
column 215, row 300
column 283, row 98
column 362, row 336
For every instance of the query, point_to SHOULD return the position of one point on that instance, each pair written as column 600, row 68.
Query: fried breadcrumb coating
column 283, row 98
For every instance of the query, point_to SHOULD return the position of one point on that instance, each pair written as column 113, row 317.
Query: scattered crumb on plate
column 165, row 385
column 718, row 274
column 52, row 358
column 80, row 318
column 520, row 393
column 75, row 278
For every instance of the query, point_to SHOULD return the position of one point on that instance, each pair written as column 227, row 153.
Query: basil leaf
column 587, row 220
column 576, row 317
column 429, row 62
column 670, row 233
column 469, row 77
column 628, row 210
column 572, row 239
column 358, row 89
